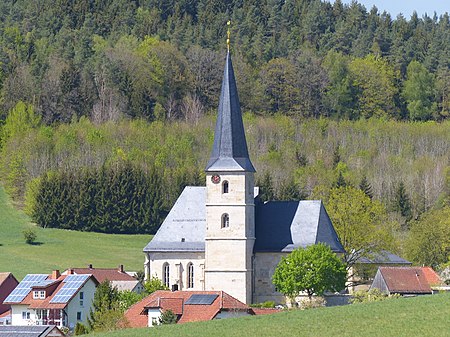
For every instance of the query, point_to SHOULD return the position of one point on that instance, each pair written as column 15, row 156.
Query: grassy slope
column 62, row 249
column 420, row 316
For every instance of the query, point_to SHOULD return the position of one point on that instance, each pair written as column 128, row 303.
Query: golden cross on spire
column 228, row 35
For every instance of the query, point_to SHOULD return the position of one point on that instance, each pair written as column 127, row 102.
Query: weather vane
column 228, row 35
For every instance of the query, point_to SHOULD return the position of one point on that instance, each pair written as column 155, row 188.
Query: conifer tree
column 366, row 187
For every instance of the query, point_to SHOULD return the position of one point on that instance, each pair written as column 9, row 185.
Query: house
column 189, row 306
column 7, row 284
column 117, row 277
column 365, row 268
column 31, row 331
column 61, row 300
column 222, row 237
column 406, row 280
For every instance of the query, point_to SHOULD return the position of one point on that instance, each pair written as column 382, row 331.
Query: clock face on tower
column 215, row 179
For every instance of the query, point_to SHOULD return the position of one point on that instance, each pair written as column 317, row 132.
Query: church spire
column 229, row 151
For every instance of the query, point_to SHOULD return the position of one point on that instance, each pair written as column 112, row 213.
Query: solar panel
column 71, row 285
column 201, row 299
column 24, row 287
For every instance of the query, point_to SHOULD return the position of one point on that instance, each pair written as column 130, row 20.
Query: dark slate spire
column 229, row 151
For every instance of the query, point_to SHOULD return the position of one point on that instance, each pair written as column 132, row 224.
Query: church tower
column 230, row 208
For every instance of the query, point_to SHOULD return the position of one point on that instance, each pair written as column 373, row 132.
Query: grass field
column 419, row 316
column 61, row 249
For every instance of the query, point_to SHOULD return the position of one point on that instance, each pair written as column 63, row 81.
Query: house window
column 35, row 294
column 79, row 316
column 166, row 274
column 81, row 298
column 25, row 315
column 225, row 187
column 225, row 221
column 190, row 275
column 42, row 294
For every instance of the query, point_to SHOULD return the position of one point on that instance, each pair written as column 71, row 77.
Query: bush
column 314, row 302
column 29, row 235
column 80, row 329
column 168, row 317
column 373, row 295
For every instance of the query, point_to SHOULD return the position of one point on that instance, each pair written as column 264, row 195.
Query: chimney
column 55, row 274
column 70, row 271
column 121, row 268
column 90, row 266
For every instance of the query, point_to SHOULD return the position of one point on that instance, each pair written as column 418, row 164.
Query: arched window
column 166, row 274
column 225, row 221
column 225, row 187
column 190, row 275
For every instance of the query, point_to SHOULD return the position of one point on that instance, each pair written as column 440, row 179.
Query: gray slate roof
column 287, row 225
column 384, row 257
column 26, row 331
column 229, row 151
column 186, row 220
column 281, row 226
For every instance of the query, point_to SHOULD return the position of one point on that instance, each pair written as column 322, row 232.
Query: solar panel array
column 201, row 299
column 24, row 287
column 71, row 285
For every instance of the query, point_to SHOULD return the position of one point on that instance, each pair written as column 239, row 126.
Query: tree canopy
column 361, row 223
column 312, row 270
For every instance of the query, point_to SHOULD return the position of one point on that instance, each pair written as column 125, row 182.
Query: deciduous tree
column 313, row 270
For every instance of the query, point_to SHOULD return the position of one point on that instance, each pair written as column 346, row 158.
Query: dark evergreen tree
column 366, row 187
column 402, row 203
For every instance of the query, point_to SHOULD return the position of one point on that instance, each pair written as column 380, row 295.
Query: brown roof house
column 117, row 277
column 189, row 306
column 7, row 284
column 406, row 280
column 61, row 300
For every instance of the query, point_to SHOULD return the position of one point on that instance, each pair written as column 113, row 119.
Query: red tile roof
column 102, row 274
column 265, row 311
column 409, row 279
column 176, row 301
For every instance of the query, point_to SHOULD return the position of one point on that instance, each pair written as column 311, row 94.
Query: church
column 222, row 236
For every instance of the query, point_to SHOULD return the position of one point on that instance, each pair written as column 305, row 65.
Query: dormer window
column 225, row 221
column 225, row 187
column 39, row 294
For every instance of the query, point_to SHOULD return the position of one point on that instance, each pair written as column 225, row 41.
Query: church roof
column 287, row 225
column 229, row 151
column 281, row 226
column 184, row 228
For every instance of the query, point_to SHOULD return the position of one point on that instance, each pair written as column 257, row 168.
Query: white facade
column 77, row 310
column 178, row 267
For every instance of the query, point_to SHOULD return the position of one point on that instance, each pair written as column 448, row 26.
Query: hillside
column 61, row 249
column 420, row 316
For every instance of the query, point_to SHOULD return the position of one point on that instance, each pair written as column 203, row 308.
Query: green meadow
column 419, row 316
column 61, row 249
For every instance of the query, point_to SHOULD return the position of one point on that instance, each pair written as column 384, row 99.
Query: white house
column 61, row 300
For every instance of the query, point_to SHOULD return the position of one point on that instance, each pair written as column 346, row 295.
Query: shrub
column 311, row 303
column 29, row 235
column 168, row 317
column 80, row 329
column 373, row 295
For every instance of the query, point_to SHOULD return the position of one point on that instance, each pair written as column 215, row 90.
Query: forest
column 107, row 109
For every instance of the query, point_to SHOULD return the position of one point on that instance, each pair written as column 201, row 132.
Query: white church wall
column 178, row 268
column 264, row 267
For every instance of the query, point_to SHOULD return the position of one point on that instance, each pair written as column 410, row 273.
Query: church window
column 166, row 274
column 225, row 221
column 225, row 187
column 190, row 276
